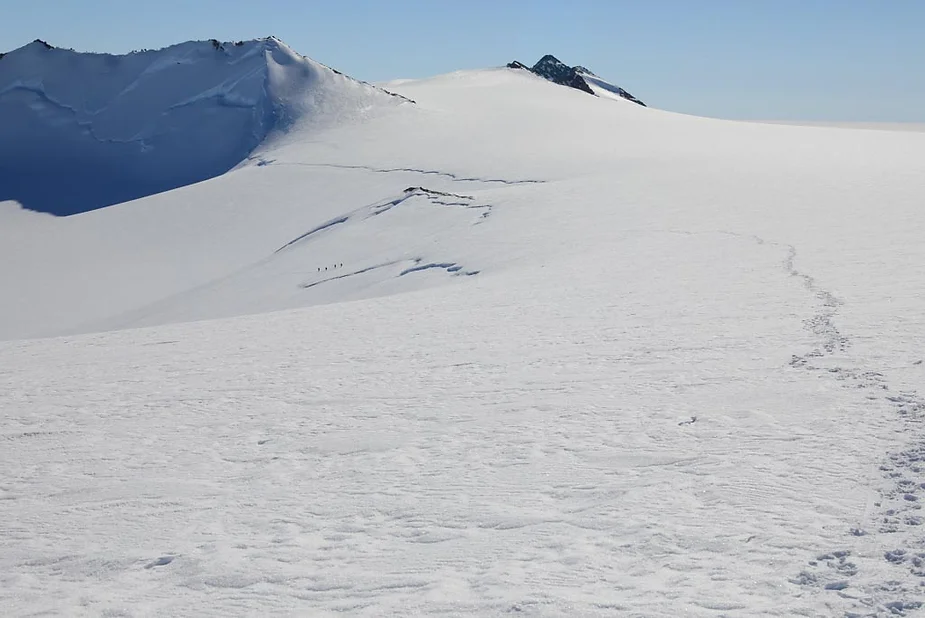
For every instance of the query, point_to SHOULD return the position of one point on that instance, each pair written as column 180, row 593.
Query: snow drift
column 83, row 131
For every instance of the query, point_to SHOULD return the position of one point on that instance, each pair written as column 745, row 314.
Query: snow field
column 683, row 382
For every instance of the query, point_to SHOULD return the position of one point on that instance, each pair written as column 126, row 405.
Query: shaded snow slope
column 546, row 355
column 83, row 131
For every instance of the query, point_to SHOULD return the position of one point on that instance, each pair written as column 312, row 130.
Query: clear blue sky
column 767, row 59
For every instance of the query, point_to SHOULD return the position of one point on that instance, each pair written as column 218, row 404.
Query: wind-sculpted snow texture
column 83, row 131
column 464, row 358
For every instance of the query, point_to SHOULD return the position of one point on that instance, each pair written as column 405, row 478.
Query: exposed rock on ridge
column 577, row 77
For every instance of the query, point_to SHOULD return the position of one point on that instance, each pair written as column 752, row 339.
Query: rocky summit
column 578, row 77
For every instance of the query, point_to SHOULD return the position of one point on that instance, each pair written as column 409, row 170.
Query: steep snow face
column 83, row 131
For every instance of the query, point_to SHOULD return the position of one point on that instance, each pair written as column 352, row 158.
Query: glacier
column 510, row 349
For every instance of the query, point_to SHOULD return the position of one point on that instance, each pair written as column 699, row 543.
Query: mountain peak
column 549, row 59
column 577, row 77
column 269, row 43
column 558, row 72
column 40, row 44
column 122, row 127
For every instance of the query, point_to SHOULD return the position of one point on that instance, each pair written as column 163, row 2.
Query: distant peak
column 558, row 72
column 549, row 59
column 577, row 77
column 37, row 44
column 270, row 42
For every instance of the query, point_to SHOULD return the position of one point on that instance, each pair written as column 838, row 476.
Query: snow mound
column 84, row 131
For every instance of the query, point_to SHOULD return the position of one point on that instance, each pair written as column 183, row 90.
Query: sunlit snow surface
column 569, row 357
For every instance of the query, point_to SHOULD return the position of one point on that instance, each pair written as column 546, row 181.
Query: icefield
column 479, row 344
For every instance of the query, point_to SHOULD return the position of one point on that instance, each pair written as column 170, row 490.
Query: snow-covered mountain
column 577, row 77
column 83, row 131
column 511, row 349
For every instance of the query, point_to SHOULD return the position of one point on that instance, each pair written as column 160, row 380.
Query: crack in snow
column 85, row 125
column 450, row 267
column 383, row 206
column 323, row 226
column 306, row 286
column 260, row 161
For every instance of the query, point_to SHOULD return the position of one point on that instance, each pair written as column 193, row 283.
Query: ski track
column 899, row 507
column 325, row 479
column 898, row 513
column 844, row 572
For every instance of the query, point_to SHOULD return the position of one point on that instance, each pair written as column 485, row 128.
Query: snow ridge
column 91, row 130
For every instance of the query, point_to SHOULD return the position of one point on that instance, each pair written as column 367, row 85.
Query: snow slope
column 83, row 131
column 630, row 363
column 603, row 88
column 877, row 126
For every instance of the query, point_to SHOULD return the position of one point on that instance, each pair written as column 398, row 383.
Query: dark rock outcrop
column 558, row 72
column 577, row 77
